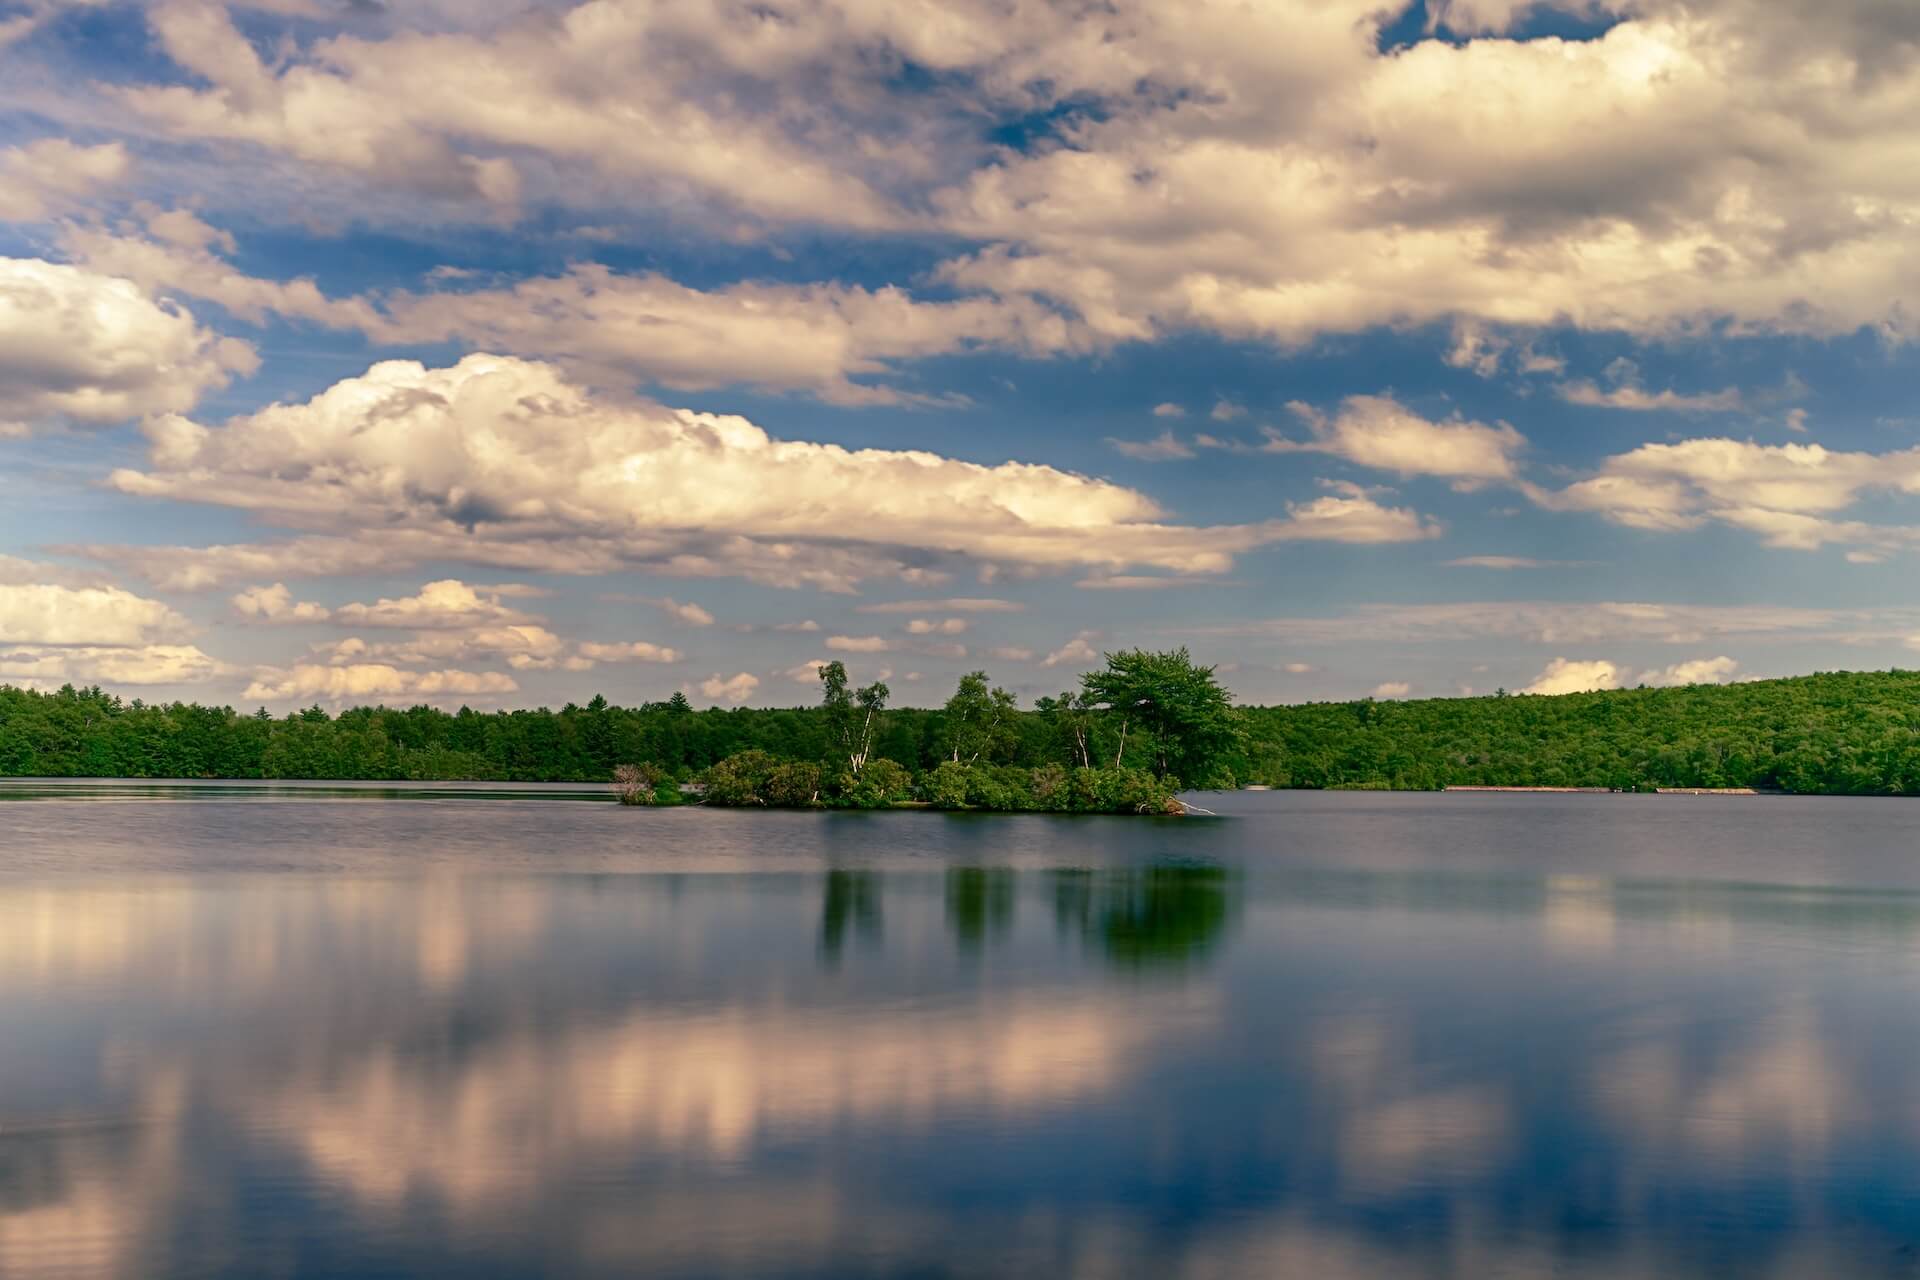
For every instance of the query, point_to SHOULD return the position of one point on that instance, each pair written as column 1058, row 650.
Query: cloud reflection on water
column 1353, row 1073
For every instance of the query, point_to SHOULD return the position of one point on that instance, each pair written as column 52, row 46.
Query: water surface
column 292, row 1032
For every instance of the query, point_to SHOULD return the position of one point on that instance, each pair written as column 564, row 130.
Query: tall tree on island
column 852, row 714
column 1175, row 711
column 979, row 720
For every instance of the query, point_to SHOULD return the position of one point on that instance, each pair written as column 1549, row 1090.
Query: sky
column 504, row 352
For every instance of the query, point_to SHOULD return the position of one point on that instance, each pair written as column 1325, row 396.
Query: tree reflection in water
column 979, row 904
column 852, row 900
column 1157, row 917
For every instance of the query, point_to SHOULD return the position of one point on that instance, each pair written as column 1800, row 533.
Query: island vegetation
column 1124, row 739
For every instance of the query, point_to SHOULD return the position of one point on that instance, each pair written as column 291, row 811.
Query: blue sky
column 1418, row 352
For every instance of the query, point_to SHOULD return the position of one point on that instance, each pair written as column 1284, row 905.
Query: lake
column 486, row 1032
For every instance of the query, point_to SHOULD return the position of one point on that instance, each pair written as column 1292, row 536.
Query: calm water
column 285, row 1033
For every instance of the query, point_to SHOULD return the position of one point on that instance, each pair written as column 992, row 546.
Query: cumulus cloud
column 371, row 680
column 1666, row 178
column 1392, row 689
column 524, row 647
column 937, row 627
column 139, row 665
column 50, row 175
column 735, row 689
column 444, row 113
column 84, row 349
column 688, row 613
column 55, row 631
column 1168, row 409
column 859, row 644
column 39, row 613
column 1785, row 493
column 840, row 343
column 1078, row 649
column 1718, row 670
column 1565, row 675
column 1380, row 432
column 951, row 604
column 276, row 604
column 1639, row 400
column 504, row 461
column 631, row 651
column 1510, row 563
column 1165, row 447
column 447, row 603
column 1574, row 623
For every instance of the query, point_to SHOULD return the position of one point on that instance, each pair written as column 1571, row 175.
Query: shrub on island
column 755, row 779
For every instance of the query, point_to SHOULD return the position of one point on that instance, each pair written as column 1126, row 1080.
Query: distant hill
column 1849, row 733
column 1853, row 733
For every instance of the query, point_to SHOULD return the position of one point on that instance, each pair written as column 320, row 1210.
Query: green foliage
column 637, row 784
column 880, row 784
column 1853, row 734
column 980, row 721
column 1182, row 720
column 740, row 781
column 946, row 787
column 794, row 785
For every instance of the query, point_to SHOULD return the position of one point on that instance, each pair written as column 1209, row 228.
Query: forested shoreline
column 1832, row 733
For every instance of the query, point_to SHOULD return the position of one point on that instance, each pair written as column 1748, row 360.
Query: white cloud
column 1639, row 400
column 1165, row 447
column 47, row 614
column 1719, row 670
column 371, row 680
column 89, row 350
column 50, row 175
column 1665, row 179
column 958, row 604
column 1298, row 668
column 57, row 627
column 525, row 646
column 1380, row 432
column 1569, row 676
column 632, row 651
column 1143, row 582
column 469, row 462
column 1573, row 623
column 735, row 688
column 1781, row 492
column 807, row 673
column 939, row 627
column 449, row 113
column 448, row 602
column 859, row 644
column 1511, row 562
column 1392, row 689
column 829, row 340
column 691, row 614
column 1168, row 409
column 156, row 664
column 1226, row 411
column 276, row 604
column 1078, row 649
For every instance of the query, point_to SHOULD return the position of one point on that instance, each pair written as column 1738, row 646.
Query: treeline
column 1841, row 733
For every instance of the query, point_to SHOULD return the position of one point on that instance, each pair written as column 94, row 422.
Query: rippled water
column 288, row 1033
